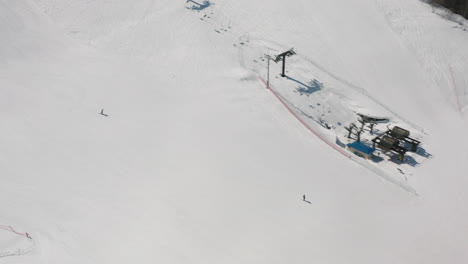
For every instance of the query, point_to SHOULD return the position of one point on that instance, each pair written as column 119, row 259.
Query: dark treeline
column 457, row 6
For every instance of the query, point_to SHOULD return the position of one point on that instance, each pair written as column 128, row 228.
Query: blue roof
column 361, row 147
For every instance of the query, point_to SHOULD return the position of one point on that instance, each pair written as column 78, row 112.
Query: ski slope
column 196, row 161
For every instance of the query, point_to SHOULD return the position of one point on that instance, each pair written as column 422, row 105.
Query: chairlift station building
column 361, row 149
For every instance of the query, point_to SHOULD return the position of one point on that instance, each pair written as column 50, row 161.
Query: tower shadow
column 198, row 6
column 307, row 89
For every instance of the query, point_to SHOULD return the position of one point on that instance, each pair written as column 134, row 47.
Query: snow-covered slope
column 196, row 161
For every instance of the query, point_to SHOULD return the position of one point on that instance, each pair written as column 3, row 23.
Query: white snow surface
column 196, row 162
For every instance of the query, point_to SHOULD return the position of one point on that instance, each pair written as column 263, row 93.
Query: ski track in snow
column 437, row 61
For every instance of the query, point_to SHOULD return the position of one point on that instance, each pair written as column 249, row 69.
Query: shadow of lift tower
column 200, row 6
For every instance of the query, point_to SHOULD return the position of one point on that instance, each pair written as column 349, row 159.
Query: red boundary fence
column 315, row 132
column 11, row 229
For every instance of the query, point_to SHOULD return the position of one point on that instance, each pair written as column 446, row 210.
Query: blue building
column 361, row 149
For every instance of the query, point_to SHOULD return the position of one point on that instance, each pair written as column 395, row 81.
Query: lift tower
column 282, row 57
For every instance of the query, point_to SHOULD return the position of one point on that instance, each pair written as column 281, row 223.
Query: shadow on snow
column 198, row 6
column 307, row 89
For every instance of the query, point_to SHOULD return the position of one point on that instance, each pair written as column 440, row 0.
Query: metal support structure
column 268, row 70
column 387, row 143
column 403, row 135
column 282, row 57
column 284, row 67
column 354, row 130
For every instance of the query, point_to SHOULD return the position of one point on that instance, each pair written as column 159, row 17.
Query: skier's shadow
column 306, row 201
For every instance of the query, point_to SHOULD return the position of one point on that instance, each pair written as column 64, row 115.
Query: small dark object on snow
column 102, row 112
